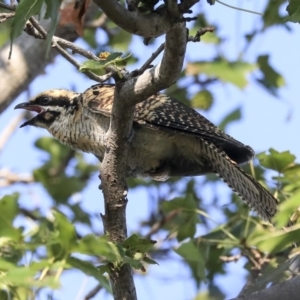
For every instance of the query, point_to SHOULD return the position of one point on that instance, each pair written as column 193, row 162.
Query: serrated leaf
column 232, row 72
column 134, row 243
column 278, row 161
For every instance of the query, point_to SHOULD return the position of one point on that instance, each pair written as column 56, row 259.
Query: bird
column 168, row 139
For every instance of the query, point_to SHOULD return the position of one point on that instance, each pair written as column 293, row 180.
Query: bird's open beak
column 31, row 107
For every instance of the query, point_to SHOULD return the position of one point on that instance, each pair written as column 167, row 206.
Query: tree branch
column 164, row 74
column 114, row 166
column 147, row 25
column 285, row 290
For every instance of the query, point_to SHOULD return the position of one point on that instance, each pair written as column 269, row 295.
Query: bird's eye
column 44, row 100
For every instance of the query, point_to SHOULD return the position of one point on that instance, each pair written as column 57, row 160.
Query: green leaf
column 63, row 241
column 278, row 161
column 9, row 210
column 232, row 72
column 202, row 100
column 275, row 241
column 96, row 66
column 294, row 11
column 25, row 276
column 287, row 208
column 185, row 222
column 91, row 270
column 271, row 79
column 52, row 12
column 193, row 255
column 99, row 246
column 233, row 116
column 25, row 9
column 137, row 244
column 149, row 261
column 121, row 39
column 271, row 14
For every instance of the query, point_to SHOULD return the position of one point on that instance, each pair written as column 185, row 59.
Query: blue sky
column 267, row 122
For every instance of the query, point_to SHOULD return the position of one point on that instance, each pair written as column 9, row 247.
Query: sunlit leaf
column 278, row 161
column 232, row 72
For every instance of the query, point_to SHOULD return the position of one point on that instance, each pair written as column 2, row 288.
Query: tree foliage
column 34, row 254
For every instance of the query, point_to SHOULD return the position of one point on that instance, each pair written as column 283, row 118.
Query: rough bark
column 113, row 168
column 285, row 290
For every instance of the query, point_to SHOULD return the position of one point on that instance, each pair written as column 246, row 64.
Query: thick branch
column 114, row 166
column 147, row 25
column 285, row 290
column 164, row 74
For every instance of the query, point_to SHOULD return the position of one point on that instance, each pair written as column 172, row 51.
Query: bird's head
column 51, row 106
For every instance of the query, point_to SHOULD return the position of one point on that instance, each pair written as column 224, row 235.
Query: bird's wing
column 164, row 113
column 221, row 152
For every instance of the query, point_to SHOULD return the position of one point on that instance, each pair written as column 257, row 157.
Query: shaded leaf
column 271, row 14
column 271, row 79
column 52, row 12
column 294, row 11
column 233, row 116
column 25, row 9
column 194, row 257
column 134, row 243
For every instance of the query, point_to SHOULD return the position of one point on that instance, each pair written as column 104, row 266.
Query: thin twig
column 8, row 178
column 241, row 9
column 199, row 33
column 6, row 6
column 92, row 293
column 147, row 64
column 6, row 16
column 232, row 258
column 74, row 48
column 65, row 54
column 165, row 219
column 10, row 129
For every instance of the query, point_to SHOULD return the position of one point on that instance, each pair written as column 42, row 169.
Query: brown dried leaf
column 73, row 12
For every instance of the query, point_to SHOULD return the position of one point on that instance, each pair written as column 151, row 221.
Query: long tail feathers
column 255, row 196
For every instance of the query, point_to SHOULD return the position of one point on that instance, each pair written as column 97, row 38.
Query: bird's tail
column 245, row 186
